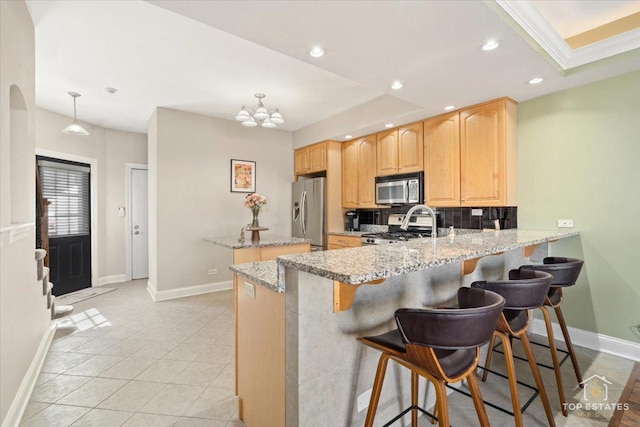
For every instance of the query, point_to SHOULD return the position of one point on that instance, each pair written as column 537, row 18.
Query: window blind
column 66, row 187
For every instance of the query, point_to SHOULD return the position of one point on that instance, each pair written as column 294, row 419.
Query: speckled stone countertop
column 348, row 233
column 265, row 240
column 366, row 263
column 264, row 273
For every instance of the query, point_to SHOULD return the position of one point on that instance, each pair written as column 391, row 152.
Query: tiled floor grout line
column 184, row 324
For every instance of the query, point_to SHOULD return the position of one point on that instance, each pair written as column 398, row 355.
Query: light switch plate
column 250, row 289
column 565, row 223
column 476, row 212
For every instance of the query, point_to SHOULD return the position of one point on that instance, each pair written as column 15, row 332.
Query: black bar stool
column 440, row 344
column 565, row 272
column 523, row 291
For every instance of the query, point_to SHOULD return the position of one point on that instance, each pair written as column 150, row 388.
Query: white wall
column 361, row 120
column 23, row 311
column 189, row 182
column 111, row 149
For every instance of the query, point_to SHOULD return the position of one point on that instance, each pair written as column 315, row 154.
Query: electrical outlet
column 565, row 223
column 213, row 271
column 363, row 400
column 476, row 212
column 250, row 289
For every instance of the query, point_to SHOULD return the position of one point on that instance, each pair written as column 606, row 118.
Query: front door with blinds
column 66, row 186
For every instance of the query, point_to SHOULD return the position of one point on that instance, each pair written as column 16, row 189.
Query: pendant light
column 74, row 128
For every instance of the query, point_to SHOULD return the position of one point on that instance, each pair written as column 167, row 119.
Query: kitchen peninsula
column 249, row 324
column 319, row 370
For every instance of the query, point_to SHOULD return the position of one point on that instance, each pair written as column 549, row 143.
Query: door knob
column 137, row 232
column 136, row 227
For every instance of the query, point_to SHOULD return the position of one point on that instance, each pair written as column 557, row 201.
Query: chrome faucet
column 407, row 218
column 242, row 230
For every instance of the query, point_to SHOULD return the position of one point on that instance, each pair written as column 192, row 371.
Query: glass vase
column 255, row 222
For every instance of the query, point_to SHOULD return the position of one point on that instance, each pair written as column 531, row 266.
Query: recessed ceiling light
column 490, row 45
column 397, row 85
column 348, row 137
column 389, row 125
column 536, row 80
column 316, row 52
column 110, row 90
column 449, row 107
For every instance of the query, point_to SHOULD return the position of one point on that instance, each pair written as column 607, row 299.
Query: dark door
column 65, row 185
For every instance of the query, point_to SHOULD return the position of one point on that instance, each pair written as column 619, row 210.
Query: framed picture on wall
column 243, row 176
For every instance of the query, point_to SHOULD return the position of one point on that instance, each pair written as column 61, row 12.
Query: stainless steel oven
column 400, row 189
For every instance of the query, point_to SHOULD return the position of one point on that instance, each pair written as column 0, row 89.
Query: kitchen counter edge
column 264, row 273
column 266, row 240
column 367, row 263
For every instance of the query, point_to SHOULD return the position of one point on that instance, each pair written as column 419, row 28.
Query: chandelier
column 267, row 119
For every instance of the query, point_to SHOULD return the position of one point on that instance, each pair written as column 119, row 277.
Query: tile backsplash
column 456, row 217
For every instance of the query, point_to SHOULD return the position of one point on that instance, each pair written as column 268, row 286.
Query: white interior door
column 139, row 226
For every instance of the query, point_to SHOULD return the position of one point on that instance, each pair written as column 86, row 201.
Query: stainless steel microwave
column 402, row 189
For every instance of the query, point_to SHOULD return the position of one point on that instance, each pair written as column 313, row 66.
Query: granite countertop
column 366, row 263
column 348, row 233
column 232, row 242
column 264, row 273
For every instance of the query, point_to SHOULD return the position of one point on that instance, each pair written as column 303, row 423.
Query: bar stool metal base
column 494, row 406
column 410, row 408
column 544, row 365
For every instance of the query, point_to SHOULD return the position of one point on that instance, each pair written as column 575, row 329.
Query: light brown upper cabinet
column 399, row 150
column 359, row 172
column 470, row 156
column 310, row 159
column 442, row 160
column 488, row 154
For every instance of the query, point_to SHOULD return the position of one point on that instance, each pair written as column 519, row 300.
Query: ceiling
column 210, row 57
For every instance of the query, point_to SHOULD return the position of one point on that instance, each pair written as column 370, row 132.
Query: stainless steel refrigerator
column 308, row 213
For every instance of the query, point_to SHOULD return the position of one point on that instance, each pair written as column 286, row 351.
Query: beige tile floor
column 123, row 360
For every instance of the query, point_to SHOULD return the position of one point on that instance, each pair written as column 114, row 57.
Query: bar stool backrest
column 469, row 326
column 524, row 290
column 565, row 271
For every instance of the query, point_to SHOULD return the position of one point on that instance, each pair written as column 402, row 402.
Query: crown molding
column 525, row 14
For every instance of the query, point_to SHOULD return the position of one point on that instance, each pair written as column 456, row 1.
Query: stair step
column 43, row 274
column 46, row 288
column 62, row 310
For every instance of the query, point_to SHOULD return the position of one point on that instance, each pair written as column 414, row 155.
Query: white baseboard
column 20, row 401
column 604, row 343
column 114, row 278
column 188, row 291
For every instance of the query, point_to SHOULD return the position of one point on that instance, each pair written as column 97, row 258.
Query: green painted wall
column 579, row 158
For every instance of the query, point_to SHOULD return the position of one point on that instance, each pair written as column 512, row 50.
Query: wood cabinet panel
column 410, row 148
column 301, row 161
column 483, row 155
column 387, row 152
column 310, row 159
column 350, row 174
column 260, row 331
column 358, row 173
column 340, row 242
column 442, row 160
column 317, row 157
column 366, row 172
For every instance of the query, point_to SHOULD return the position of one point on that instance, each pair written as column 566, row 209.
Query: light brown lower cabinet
column 341, row 242
column 260, row 363
column 260, row 342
